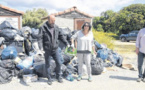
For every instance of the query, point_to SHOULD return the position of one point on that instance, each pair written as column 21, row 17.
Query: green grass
column 124, row 49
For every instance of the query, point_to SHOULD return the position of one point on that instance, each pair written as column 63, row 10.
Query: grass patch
column 124, row 49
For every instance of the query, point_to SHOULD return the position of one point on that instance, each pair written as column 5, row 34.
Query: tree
column 32, row 18
column 127, row 19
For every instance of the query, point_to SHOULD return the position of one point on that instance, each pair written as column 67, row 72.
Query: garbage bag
column 6, row 25
column 7, row 71
column 5, row 76
column 35, row 33
column 97, row 66
column 98, row 46
column 9, row 53
column 40, row 68
column 102, row 53
column 67, row 59
column 1, row 40
column 65, row 31
column 8, row 34
column 26, row 63
column 119, row 61
column 61, row 55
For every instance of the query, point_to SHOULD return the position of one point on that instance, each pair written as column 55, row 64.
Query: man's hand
column 137, row 51
column 95, row 52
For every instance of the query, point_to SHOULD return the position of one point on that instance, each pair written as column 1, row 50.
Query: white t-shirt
column 84, row 42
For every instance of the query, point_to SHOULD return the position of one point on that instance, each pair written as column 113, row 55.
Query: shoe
column 60, row 80
column 143, row 80
column 79, row 78
column 90, row 79
column 49, row 81
column 139, row 79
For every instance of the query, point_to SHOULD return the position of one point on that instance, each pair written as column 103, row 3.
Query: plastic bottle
column 70, row 77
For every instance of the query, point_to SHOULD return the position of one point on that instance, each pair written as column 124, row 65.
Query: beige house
column 11, row 15
column 71, row 18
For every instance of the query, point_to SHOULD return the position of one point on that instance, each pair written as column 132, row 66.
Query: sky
column 92, row 7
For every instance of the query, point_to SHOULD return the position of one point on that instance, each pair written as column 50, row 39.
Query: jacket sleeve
column 41, row 38
column 61, row 37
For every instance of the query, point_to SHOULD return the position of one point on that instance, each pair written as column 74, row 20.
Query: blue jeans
column 55, row 55
column 140, row 64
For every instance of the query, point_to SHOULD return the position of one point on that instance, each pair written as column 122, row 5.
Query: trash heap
column 21, row 55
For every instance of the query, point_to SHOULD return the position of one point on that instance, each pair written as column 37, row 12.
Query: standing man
column 140, row 51
column 50, row 36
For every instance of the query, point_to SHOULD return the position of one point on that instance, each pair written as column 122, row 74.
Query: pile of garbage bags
column 108, row 56
column 21, row 55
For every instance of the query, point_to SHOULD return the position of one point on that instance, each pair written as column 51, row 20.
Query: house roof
column 10, row 9
column 69, row 10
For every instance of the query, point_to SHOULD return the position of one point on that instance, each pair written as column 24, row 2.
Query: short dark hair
column 85, row 24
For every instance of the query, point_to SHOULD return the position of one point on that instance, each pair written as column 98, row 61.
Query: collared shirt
column 84, row 43
column 140, row 41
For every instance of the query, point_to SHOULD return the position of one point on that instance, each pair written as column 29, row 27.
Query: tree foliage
column 127, row 19
column 32, row 18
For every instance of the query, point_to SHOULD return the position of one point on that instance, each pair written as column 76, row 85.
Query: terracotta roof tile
column 10, row 9
column 70, row 10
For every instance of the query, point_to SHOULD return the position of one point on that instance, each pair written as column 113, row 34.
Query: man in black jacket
column 50, row 36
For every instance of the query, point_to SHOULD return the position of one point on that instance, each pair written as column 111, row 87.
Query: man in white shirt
column 140, row 51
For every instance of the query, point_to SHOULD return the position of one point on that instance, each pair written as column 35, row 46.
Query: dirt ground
column 113, row 79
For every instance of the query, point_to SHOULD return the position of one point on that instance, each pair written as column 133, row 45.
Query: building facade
column 11, row 15
column 71, row 18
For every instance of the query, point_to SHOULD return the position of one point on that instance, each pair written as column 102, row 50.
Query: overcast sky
column 93, row 7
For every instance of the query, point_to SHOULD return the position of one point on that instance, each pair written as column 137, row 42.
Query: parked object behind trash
column 9, row 53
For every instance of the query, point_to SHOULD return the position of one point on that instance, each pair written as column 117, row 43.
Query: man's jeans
column 140, row 65
column 55, row 55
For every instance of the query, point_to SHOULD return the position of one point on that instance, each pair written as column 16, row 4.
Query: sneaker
column 49, row 81
column 79, row 78
column 143, row 80
column 90, row 79
column 139, row 79
column 60, row 80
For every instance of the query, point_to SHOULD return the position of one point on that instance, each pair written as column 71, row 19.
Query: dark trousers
column 55, row 55
column 140, row 64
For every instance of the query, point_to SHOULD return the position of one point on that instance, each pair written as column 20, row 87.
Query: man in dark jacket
column 51, row 34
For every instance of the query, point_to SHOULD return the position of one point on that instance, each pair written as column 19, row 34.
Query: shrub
column 104, row 38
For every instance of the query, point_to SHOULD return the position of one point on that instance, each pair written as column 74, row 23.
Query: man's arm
column 138, row 42
column 41, row 37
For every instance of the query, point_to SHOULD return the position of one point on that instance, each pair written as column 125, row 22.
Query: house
column 71, row 18
column 11, row 15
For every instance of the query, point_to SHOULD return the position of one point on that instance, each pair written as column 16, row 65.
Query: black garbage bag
column 5, row 76
column 40, row 70
column 67, row 59
column 7, row 71
column 6, row 25
column 119, row 61
column 35, row 34
column 8, row 34
column 97, row 66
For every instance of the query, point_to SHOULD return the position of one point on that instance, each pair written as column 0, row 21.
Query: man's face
column 51, row 21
